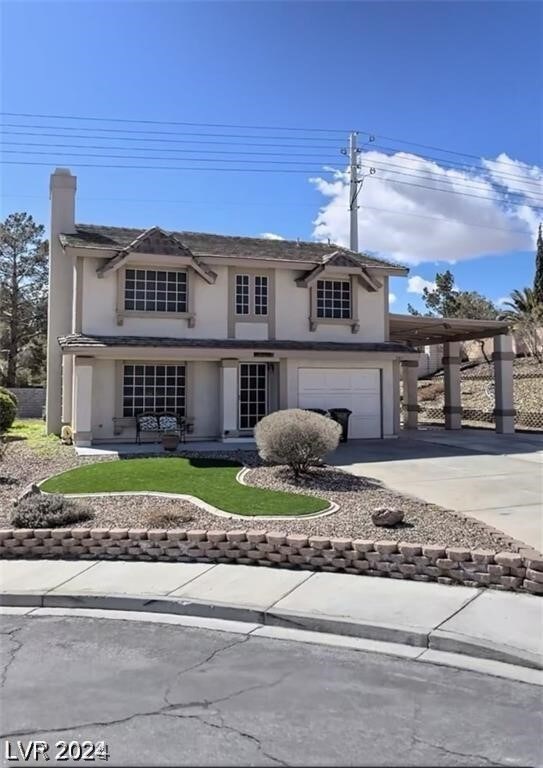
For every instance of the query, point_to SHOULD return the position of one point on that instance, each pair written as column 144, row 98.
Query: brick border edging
column 399, row 560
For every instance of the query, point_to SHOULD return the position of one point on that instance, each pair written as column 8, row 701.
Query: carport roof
column 417, row 330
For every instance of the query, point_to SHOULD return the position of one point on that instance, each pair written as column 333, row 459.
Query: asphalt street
column 159, row 695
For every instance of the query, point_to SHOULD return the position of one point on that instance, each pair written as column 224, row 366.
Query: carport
column 417, row 331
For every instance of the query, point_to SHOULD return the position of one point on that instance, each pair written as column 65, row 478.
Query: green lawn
column 32, row 431
column 211, row 480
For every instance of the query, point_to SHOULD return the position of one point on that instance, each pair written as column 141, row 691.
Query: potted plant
column 170, row 441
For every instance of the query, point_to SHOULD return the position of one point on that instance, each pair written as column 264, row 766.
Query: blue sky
column 464, row 76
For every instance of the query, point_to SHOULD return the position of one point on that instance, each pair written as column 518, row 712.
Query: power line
column 235, row 126
column 444, row 162
column 172, row 133
column 260, row 160
column 174, row 122
column 249, row 170
column 140, row 157
column 170, row 167
column 237, row 203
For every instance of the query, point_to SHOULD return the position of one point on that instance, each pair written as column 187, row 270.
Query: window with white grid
column 155, row 290
column 253, row 387
column 252, row 295
column 261, row 295
column 153, row 388
column 334, row 299
column 242, row 295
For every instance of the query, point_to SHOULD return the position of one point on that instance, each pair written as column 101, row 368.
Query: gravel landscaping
column 356, row 497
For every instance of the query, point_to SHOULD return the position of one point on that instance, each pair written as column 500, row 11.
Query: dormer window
column 155, row 290
column 334, row 299
column 251, row 295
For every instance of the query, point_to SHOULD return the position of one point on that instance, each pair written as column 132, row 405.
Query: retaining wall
column 390, row 559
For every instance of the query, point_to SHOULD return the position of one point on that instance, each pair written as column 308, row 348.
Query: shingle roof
column 101, row 342
column 201, row 243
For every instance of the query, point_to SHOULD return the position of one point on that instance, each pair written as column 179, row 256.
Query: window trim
column 121, row 312
column 251, row 317
column 352, row 321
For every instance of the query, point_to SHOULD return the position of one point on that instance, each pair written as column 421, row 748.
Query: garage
column 358, row 389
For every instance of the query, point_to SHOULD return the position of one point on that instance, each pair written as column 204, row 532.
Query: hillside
column 477, row 386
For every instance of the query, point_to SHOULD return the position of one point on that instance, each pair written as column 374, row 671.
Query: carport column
column 229, row 398
column 409, row 379
column 453, row 397
column 502, row 358
column 82, row 401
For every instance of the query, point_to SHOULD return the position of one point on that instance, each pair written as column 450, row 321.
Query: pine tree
column 538, row 279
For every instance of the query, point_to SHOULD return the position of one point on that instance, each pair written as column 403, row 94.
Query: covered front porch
column 223, row 388
column 451, row 332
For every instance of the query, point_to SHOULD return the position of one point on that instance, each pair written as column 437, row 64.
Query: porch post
column 67, row 388
column 410, row 369
column 82, row 401
column 453, row 398
column 396, row 426
column 229, row 398
column 503, row 357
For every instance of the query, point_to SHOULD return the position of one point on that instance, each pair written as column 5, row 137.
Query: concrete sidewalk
column 504, row 627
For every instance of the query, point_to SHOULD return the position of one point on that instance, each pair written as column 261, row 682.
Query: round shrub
column 8, row 411
column 297, row 438
column 48, row 511
column 4, row 391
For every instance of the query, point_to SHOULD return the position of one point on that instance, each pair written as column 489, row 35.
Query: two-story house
column 222, row 330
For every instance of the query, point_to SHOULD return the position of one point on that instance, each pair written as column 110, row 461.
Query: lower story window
column 153, row 388
column 253, row 389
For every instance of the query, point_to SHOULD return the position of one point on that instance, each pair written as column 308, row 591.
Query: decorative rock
column 29, row 490
column 387, row 516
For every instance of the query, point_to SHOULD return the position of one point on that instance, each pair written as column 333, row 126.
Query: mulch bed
column 357, row 498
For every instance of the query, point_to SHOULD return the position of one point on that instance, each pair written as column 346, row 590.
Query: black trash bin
column 341, row 415
column 317, row 410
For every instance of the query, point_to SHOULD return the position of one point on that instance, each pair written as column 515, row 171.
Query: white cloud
column 400, row 219
column 392, row 298
column 501, row 301
column 271, row 236
column 417, row 284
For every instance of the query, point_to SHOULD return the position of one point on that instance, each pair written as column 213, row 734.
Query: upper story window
column 152, row 290
column 252, row 295
column 334, row 299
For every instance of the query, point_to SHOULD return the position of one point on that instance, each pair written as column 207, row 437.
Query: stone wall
column 30, row 401
column 390, row 559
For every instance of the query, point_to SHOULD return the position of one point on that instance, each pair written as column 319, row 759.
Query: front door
column 253, row 394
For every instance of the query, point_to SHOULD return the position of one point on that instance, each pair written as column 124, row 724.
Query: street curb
column 437, row 640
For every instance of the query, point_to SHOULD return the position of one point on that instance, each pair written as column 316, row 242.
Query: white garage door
column 356, row 389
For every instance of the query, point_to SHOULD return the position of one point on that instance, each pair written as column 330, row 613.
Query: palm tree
column 525, row 313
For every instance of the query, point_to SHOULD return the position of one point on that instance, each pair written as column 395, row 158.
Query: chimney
column 61, row 268
column 62, row 188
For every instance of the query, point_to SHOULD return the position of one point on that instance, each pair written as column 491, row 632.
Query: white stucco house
column 223, row 330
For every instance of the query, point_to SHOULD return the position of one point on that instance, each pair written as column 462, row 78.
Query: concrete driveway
column 495, row 478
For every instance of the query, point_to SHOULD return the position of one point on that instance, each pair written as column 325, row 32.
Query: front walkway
column 495, row 478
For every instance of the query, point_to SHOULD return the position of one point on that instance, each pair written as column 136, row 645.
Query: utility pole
column 353, row 192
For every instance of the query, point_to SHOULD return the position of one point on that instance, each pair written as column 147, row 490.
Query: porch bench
column 150, row 422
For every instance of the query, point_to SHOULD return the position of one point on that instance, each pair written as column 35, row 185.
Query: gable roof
column 227, row 246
